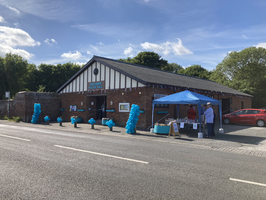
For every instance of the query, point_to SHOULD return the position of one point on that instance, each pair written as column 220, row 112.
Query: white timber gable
column 100, row 77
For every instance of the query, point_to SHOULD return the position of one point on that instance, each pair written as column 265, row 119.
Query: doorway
column 225, row 106
column 101, row 107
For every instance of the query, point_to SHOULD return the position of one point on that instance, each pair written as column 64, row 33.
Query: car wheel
column 227, row 121
column 260, row 123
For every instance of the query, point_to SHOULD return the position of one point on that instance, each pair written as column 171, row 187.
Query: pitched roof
column 147, row 75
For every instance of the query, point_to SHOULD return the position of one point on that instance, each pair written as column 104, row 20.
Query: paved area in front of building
column 241, row 139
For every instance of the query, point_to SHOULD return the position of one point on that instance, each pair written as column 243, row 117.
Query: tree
column 196, row 71
column 52, row 77
column 173, row 67
column 153, row 60
column 128, row 60
column 17, row 75
column 244, row 71
column 3, row 80
column 15, row 68
column 32, row 78
column 149, row 59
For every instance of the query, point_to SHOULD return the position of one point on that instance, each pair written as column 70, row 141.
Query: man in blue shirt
column 202, row 110
column 209, row 119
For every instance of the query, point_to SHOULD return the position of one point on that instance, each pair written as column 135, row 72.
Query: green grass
column 13, row 119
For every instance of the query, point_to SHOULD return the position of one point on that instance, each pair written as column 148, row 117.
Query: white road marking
column 250, row 182
column 17, row 138
column 101, row 154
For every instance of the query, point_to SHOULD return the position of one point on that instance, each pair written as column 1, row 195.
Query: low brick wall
column 23, row 105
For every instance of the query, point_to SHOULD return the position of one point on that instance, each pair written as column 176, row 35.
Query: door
column 238, row 117
column 101, row 105
column 92, row 109
column 252, row 116
column 225, row 106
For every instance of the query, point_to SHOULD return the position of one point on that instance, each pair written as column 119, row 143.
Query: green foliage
column 149, row 59
column 173, row 67
column 6, row 118
column 244, row 71
column 13, row 119
column 3, row 80
column 15, row 68
column 128, row 60
column 196, row 71
column 41, row 88
column 17, row 75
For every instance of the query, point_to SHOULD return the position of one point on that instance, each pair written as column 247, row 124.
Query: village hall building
column 106, row 87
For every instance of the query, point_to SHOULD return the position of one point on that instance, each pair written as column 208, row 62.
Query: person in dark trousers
column 214, row 118
column 209, row 119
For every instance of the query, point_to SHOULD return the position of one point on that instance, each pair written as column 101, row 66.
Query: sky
column 183, row 32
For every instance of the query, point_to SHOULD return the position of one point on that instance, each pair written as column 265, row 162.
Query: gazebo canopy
column 186, row 97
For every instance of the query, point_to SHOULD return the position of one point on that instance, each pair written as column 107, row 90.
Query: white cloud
column 8, row 49
column 261, row 45
column 116, row 30
column 13, row 37
column 72, row 56
column 94, row 48
column 151, row 46
column 50, row 41
column 129, row 51
column 2, row 19
column 13, row 9
column 59, row 10
column 80, row 63
column 165, row 48
column 100, row 43
column 88, row 52
column 244, row 36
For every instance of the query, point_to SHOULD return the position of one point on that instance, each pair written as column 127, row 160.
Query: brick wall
column 3, row 107
column 140, row 96
column 23, row 105
column 79, row 100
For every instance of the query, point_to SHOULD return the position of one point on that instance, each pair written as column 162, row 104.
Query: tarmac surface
column 239, row 139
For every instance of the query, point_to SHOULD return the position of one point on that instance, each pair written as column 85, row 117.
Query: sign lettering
column 96, row 86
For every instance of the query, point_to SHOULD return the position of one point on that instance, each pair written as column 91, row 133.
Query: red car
column 246, row 116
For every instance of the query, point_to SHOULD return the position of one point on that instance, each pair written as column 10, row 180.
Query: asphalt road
column 38, row 163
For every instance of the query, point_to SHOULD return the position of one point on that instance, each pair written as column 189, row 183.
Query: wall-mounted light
column 111, row 102
column 122, row 93
column 139, row 92
column 81, row 103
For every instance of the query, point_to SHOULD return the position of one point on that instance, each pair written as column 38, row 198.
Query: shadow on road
column 235, row 133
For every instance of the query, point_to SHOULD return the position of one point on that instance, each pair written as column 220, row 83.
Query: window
column 73, row 108
column 157, row 96
column 209, row 95
column 253, row 112
column 241, row 112
column 161, row 106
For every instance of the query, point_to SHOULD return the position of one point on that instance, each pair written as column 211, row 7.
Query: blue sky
column 183, row 32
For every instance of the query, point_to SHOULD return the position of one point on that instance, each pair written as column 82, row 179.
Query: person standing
column 191, row 112
column 214, row 118
column 209, row 119
column 103, row 109
column 202, row 110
